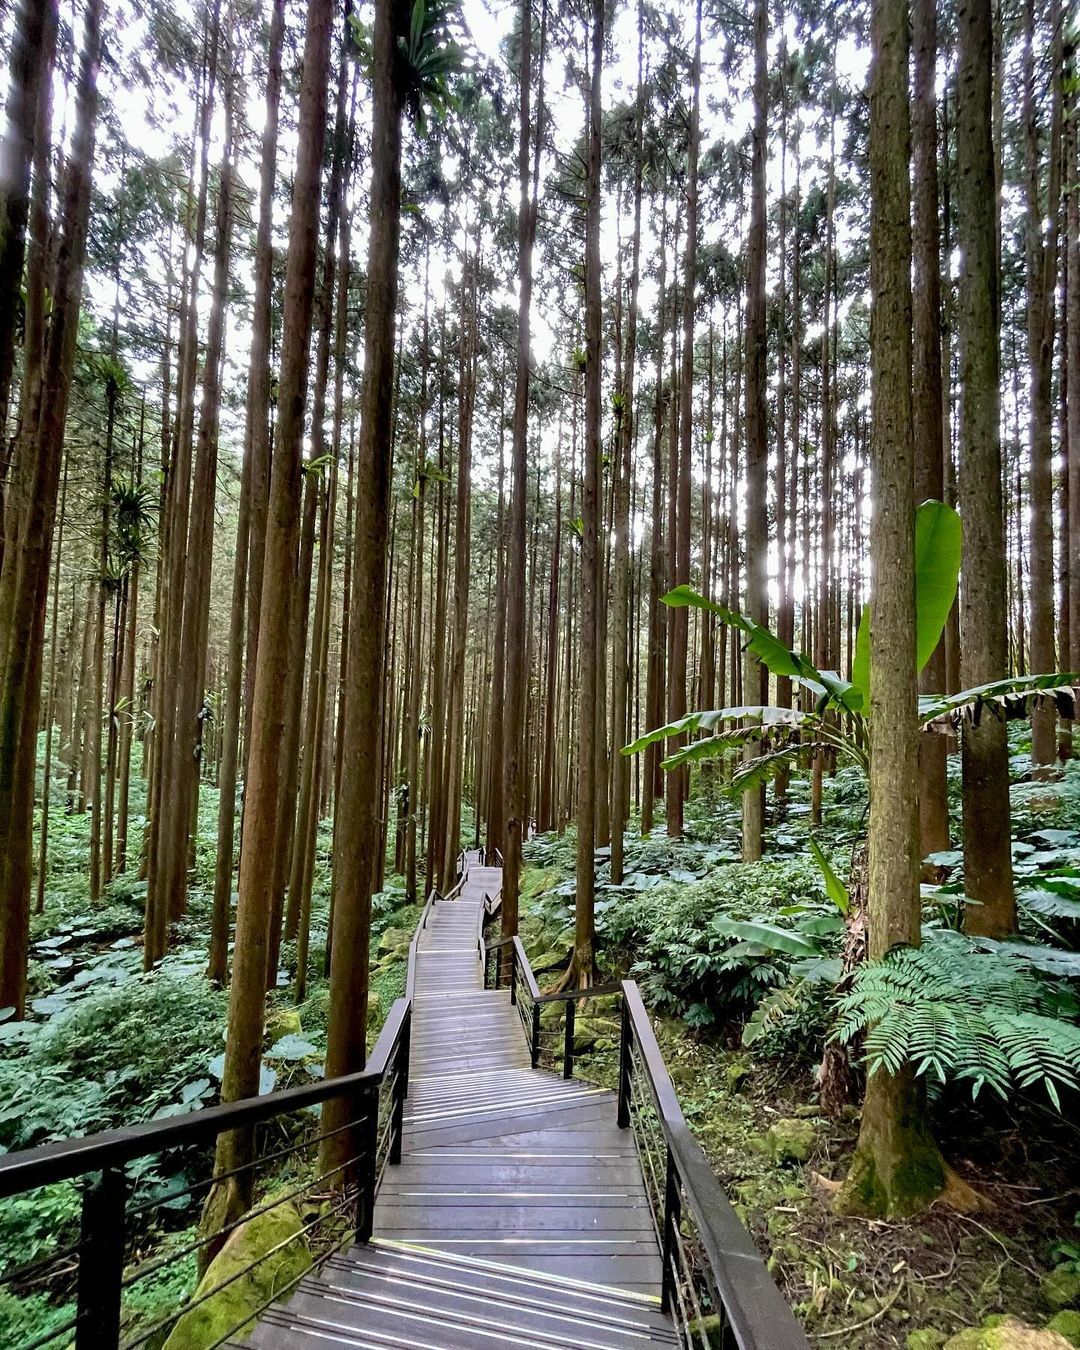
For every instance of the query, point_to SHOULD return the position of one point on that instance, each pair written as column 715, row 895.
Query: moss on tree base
column 897, row 1170
column 262, row 1258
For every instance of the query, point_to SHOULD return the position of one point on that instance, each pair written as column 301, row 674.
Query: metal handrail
column 105, row 1211
column 756, row 1315
column 65, row 1159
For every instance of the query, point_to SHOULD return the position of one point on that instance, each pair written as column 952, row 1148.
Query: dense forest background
column 405, row 409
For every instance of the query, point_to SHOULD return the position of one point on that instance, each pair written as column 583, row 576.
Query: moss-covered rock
column 394, row 941
column 926, row 1338
column 1066, row 1323
column 282, row 1022
column 1061, row 1288
column 557, row 958
column 589, row 1035
column 1006, row 1333
column 277, row 1237
column 790, row 1141
column 736, row 1074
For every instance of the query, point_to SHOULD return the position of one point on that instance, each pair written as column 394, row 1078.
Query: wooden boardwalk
column 517, row 1216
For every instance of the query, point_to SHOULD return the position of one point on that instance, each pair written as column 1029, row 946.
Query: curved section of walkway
column 518, row 1214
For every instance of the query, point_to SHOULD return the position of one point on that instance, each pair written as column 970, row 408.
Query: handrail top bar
column 526, row 969
column 65, row 1159
column 556, row 995
column 768, row 1321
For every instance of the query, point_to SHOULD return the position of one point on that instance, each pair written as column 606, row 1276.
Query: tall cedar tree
column 755, row 676
column 581, row 969
column 31, row 514
column 243, row 1043
column 357, row 835
column 897, row 1168
column 255, row 439
column 983, row 589
column 926, row 382
column 516, row 658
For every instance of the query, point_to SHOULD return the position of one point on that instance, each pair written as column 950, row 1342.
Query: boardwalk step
column 517, row 1216
column 382, row 1296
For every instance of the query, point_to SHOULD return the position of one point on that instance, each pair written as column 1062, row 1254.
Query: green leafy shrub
column 715, row 947
column 23, row 1320
column 37, row 1222
column 77, row 1073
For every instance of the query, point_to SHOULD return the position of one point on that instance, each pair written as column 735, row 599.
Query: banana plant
column 839, row 717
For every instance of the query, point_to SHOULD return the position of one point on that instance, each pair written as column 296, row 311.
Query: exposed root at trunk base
column 897, row 1170
column 958, row 1195
column 575, row 977
column 839, row 1078
column 225, row 1203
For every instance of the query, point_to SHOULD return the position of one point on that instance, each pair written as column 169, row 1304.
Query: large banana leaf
column 769, row 650
column 753, row 772
column 1009, row 698
column 938, row 549
column 837, row 891
column 766, row 935
column 712, row 746
column 756, row 715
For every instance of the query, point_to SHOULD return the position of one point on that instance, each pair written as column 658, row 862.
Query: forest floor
column 754, row 1107
column 106, row 1045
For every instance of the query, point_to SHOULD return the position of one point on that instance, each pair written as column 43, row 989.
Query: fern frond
column 952, row 1010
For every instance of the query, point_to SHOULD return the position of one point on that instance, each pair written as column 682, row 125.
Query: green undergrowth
column 738, row 965
column 106, row 1045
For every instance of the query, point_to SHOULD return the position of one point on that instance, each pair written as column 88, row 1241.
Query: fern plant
column 955, row 1011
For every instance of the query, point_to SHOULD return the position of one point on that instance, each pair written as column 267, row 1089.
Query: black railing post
column 368, row 1169
column 568, row 1040
column 401, row 1088
column 101, row 1262
column 672, row 1218
column 626, row 1032
column 513, row 976
column 534, row 1048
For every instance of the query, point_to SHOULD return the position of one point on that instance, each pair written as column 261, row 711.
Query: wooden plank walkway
column 518, row 1214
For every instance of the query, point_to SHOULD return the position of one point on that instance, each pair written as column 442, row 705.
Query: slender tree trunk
column 455, row 766
column 247, row 993
column 581, row 971
column 1041, row 254
column 755, row 678
column 416, row 637
column 1072, row 290
column 496, row 830
column 926, row 379
column 897, row 1169
column 246, row 562
column 181, row 777
column 167, row 843
column 50, row 713
column 25, row 572
column 307, row 815
column 654, row 679
column 357, row 834
column 679, row 780
column 516, row 666
column 33, row 45
column 984, row 650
